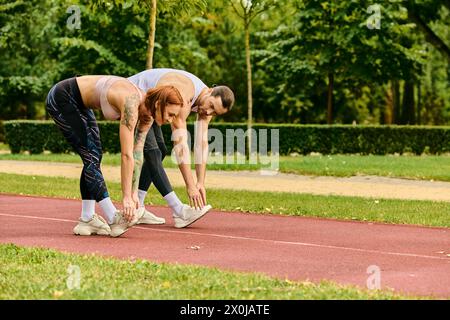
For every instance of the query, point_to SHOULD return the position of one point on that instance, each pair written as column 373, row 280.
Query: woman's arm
column 128, row 120
column 138, row 153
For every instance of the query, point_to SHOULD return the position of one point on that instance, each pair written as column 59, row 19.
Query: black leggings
column 152, row 170
column 77, row 124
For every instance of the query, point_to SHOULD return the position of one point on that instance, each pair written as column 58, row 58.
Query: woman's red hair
column 164, row 95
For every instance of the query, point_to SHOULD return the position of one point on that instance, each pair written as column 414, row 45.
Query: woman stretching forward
column 70, row 103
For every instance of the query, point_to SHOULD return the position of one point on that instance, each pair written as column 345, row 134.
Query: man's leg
column 153, row 170
column 183, row 214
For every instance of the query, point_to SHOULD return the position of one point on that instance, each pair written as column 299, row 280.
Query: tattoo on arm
column 138, row 155
column 129, row 111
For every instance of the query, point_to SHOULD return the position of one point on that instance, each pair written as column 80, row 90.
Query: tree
column 26, row 69
column 171, row 7
column 293, row 51
column 330, row 44
column 248, row 10
column 151, row 34
column 421, row 12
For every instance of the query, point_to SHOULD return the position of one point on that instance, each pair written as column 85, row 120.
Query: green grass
column 108, row 159
column 33, row 273
column 425, row 167
column 426, row 213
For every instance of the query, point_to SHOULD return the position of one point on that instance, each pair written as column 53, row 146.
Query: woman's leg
column 88, row 203
column 78, row 126
column 95, row 183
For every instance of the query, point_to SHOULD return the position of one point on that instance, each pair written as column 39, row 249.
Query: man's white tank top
column 148, row 79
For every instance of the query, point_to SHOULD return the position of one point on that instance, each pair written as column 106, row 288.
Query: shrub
column 37, row 136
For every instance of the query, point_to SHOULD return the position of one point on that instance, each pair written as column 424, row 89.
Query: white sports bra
column 102, row 87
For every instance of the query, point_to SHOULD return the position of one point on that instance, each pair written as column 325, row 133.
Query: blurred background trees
column 311, row 61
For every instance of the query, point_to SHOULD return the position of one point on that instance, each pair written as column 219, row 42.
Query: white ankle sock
column 109, row 209
column 174, row 203
column 87, row 210
column 141, row 196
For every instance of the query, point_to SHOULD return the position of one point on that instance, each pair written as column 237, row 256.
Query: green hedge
column 37, row 136
column 2, row 132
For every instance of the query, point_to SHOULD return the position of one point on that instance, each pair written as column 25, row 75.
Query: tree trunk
column 151, row 35
column 388, row 112
column 31, row 109
column 419, row 118
column 330, row 98
column 408, row 112
column 396, row 101
column 249, row 86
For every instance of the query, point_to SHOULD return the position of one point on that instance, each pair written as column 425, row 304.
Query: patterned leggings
column 77, row 124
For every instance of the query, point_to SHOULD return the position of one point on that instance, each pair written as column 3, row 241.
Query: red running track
column 411, row 259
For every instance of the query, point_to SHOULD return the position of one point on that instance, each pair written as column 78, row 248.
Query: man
column 206, row 102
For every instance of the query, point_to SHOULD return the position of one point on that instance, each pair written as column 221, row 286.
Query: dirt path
column 408, row 259
column 360, row 186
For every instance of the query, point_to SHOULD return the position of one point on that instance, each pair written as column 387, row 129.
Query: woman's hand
column 195, row 197
column 136, row 199
column 129, row 208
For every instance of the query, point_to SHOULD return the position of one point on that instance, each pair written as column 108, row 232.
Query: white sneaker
column 120, row 225
column 190, row 215
column 97, row 225
column 146, row 217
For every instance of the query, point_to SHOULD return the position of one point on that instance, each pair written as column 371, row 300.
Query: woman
column 70, row 103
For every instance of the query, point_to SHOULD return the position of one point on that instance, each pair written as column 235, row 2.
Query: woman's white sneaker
column 120, row 225
column 97, row 225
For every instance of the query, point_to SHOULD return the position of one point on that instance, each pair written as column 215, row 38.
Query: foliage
column 294, row 49
column 332, row 38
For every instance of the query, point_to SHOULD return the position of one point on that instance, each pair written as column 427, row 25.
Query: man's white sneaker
column 190, row 215
column 97, row 225
column 120, row 225
column 146, row 217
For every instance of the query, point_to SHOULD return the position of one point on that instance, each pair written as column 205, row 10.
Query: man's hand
column 129, row 208
column 195, row 197
column 202, row 190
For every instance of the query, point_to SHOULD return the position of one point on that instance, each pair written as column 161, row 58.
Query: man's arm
column 183, row 155
column 201, row 153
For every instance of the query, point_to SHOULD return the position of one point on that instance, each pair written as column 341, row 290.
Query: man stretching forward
column 198, row 98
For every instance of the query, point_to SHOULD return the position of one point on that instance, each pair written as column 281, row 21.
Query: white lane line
column 304, row 244
column 34, row 217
